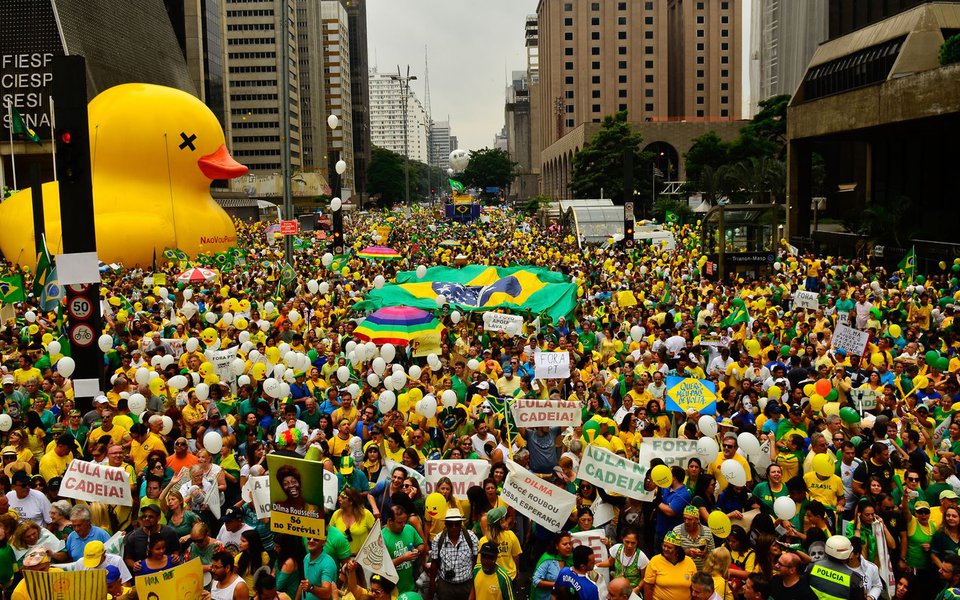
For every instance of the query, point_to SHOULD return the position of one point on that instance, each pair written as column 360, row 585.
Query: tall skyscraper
column 198, row 26
column 337, row 87
column 359, row 90
column 254, row 63
column 669, row 60
column 386, row 118
column 440, row 144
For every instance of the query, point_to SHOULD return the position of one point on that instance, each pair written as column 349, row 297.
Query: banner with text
column 545, row 503
column 257, row 492
column 612, row 472
column 221, row 359
column 850, row 339
column 512, row 324
column 684, row 393
column 462, row 474
column 183, row 582
column 806, row 300
column 546, row 413
column 92, row 482
column 297, row 496
column 60, row 585
column 551, row 365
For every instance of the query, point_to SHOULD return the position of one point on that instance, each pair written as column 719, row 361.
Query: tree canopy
column 489, row 167
column 599, row 165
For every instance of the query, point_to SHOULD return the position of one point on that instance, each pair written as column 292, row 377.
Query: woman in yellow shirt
column 668, row 575
column 353, row 519
column 500, row 533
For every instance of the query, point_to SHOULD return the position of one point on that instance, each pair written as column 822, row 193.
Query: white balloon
column 202, row 391
column 6, row 422
column 449, row 398
column 785, row 508
column 379, row 365
column 269, row 307
column 142, row 375
column 415, row 372
column 105, row 343
column 373, row 379
column 53, row 348
column 254, row 355
column 388, row 382
column 733, row 472
column 30, row 316
column 137, row 403
column 289, row 376
column 455, row 317
column 279, row 370
column 271, row 387
column 421, row 272
column 707, row 449
column 195, row 378
column 211, row 318
column 388, row 352
column 636, row 333
column 165, row 361
column 707, row 425
column 343, row 374
column 397, row 369
column 427, row 407
column 351, row 345
column 164, row 292
column 264, row 325
column 243, row 380
column 333, row 121
column 212, row 442
column 284, row 390
column 244, row 338
column 313, row 286
column 441, row 300
column 378, row 281
column 459, row 159
column 473, row 364
column 354, row 389
column 178, row 382
column 187, row 293
column 748, row 443
column 341, row 167
column 327, row 259
column 192, row 344
column 399, row 381
column 354, row 357
column 336, row 204
column 167, row 426
column 386, row 401
column 324, row 287
column 66, row 366
column 434, row 362
column 154, row 375
column 227, row 319
column 294, row 316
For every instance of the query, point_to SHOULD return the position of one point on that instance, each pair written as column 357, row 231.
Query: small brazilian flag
column 287, row 274
column 223, row 260
column 11, row 289
column 672, row 217
column 236, row 253
column 170, row 254
column 909, row 263
column 457, row 186
column 739, row 315
column 20, row 127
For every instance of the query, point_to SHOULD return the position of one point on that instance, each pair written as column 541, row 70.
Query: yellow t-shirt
column 509, row 547
column 721, row 480
column 116, row 434
column 53, row 465
column 22, row 376
column 826, row 491
column 139, row 452
column 671, row 582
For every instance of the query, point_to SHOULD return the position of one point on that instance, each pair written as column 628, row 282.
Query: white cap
column 839, row 547
column 8, row 379
column 101, row 399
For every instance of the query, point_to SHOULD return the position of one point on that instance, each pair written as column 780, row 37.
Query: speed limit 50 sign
column 79, row 307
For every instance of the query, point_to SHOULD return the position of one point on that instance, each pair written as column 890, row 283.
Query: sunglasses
column 729, row 446
column 913, row 479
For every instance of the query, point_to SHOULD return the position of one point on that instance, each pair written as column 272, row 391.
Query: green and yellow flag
column 44, row 267
column 672, row 217
column 20, row 127
column 457, row 186
column 287, row 274
column 909, row 263
column 11, row 289
column 739, row 314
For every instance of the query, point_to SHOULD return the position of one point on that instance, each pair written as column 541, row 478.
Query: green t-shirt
column 767, row 497
column 408, row 539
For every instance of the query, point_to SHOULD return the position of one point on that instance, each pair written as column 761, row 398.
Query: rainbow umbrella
column 379, row 253
column 397, row 325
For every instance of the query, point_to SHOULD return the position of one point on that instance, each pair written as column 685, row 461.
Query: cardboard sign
column 374, row 557
column 257, row 492
column 92, row 482
column 843, row 318
column 612, row 472
column 545, row 503
column 551, row 365
column 297, row 496
column 426, row 344
column 330, row 490
column 289, row 227
column 850, row 339
column 546, row 413
column 183, row 582
column 806, row 300
column 462, row 474
column 864, row 399
column 511, row 324
column 687, row 392
column 76, row 585
column 221, row 359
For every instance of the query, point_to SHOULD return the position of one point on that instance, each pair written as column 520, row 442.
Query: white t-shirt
column 231, row 539
column 35, row 507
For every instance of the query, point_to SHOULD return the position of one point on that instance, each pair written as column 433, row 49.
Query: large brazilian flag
column 480, row 288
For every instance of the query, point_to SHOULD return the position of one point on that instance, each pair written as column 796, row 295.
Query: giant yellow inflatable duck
column 153, row 153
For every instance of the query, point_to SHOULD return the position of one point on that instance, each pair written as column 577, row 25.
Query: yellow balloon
column 661, row 476
column 240, row 323
column 273, row 355
column 258, row 371
column 211, row 379
column 816, row 402
column 877, row 359
column 920, row 382
column 114, row 301
column 774, row 392
column 416, row 395
column 895, row 331
column 808, row 390
column 234, row 305
column 157, row 386
column 831, row 408
column 719, row 524
column 206, row 369
column 244, row 306
column 209, row 335
column 403, row 402
column 47, row 338
column 822, row 465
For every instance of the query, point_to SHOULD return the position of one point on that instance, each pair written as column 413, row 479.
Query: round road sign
column 81, row 334
column 79, row 307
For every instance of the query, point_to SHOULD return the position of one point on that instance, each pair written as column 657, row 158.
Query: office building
column 517, row 115
column 440, row 144
column 254, row 63
column 198, row 26
column 359, row 90
column 337, row 91
column 386, row 117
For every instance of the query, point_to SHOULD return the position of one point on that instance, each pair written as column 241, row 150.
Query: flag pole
column 13, row 160
column 53, row 139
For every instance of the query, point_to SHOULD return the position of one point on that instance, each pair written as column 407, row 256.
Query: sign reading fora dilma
column 29, row 41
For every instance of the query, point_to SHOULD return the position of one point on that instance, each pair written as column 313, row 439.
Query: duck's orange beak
column 220, row 165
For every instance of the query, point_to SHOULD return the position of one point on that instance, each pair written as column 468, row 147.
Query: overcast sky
column 471, row 45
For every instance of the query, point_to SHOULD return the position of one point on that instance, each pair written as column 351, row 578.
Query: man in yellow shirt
column 738, row 370
column 490, row 580
column 144, row 442
column 54, row 464
column 729, row 453
column 26, row 372
column 117, row 434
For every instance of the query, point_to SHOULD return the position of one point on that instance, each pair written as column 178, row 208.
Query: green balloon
column 953, row 280
column 931, row 356
column 312, row 355
column 855, row 440
column 784, row 350
column 921, row 279
column 955, row 268
column 945, row 301
column 832, row 396
column 943, row 364
column 849, row 415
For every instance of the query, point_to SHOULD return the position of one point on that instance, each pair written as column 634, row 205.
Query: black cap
column 54, row 483
column 232, row 513
column 489, row 549
column 796, row 409
column 151, row 507
column 65, row 439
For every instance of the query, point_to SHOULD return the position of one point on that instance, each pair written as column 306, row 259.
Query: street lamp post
column 284, row 98
column 404, row 82
column 333, row 121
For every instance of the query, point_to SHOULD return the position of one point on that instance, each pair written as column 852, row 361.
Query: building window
column 724, row 100
column 595, row 79
column 568, row 21
column 699, row 33
column 621, row 93
column 700, row 87
column 724, row 60
column 725, row 46
column 699, row 72
column 621, row 6
column 699, row 46
column 648, row 35
column 595, row 65
column 724, row 86
column 724, row 19
column 648, row 78
column 568, row 36
column 724, row 33
column 699, row 5
column 622, row 64
column 568, row 51
column 724, row 113
column 699, row 100
column 724, row 73
column 595, row 94
column 699, row 19
column 622, row 50
column 569, row 122
column 568, row 80
column 621, row 35
column 621, row 78
column 594, row 35
column 724, row 6
column 621, row 20
column 648, row 107
column 621, row 107
column 595, row 21
column 594, row 6
column 568, row 6
column 648, row 5
column 568, row 94
column 567, row 65
column 699, row 60
column 700, row 113
column 648, row 64
column 648, row 20
column 595, row 108
column 595, row 51
column 648, row 93
column 648, row 49
column 569, row 108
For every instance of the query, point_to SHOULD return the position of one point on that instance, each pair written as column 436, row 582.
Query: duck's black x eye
column 187, row 140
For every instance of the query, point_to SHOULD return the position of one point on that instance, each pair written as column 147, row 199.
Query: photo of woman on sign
column 292, row 485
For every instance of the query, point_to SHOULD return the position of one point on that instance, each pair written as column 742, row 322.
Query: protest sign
column 92, row 482
column 330, row 489
column 426, row 344
column 462, row 474
column 297, row 496
column 613, row 473
column 374, row 557
column 63, row 585
column 806, row 300
column 545, row 503
column 551, row 365
column 176, row 347
column 183, row 582
column 546, row 413
column 843, row 318
column 674, row 451
column 221, row 359
column 257, row 492
column 850, row 339
column 511, row 324
column 864, row 398
column 687, row 392
column 603, row 513
column 593, row 539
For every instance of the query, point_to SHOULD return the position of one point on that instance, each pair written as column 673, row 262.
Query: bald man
column 619, row 589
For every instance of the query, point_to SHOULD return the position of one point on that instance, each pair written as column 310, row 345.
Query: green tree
column 708, row 150
column 489, row 167
column 599, row 165
column 385, row 175
column 950, row 50
column 759, row 180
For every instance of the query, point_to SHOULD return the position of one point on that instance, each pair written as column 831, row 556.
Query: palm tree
column 761, row 180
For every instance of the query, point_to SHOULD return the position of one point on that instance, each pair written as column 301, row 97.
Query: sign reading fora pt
column 552, row 365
